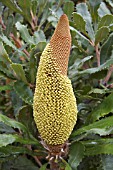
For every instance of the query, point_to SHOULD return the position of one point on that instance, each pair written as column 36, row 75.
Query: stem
column 108, row 74
column 18, row 43
column 2, row 24
column 97, row 55
column 35, row 157
column 54, row 165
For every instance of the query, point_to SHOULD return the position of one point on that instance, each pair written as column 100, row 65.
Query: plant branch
column 18, row 43
column 2, row 24
column 108, row 74
column 35, row 157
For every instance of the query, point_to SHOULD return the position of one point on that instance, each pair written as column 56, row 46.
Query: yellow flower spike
column 55, row 110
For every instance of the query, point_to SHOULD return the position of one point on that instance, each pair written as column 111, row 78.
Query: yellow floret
column 55, row 110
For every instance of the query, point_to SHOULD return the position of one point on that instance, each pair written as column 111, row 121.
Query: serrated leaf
column 97, row 69
column 20, row 74
column 40, row 46
column 79, row 22
column 106, row 20
column 43, row 167
column 24, row 33
column 102, row 109
column 8, row 42
column 101, row 127
column 3, row 55
column 82, row 9
column 106, row 49
column 76, row 154
column 24, row 92
column 101, row 34
column 110, row 2
column 14, row 150
column 103, row 10
column 39, row 36
column 68, row 8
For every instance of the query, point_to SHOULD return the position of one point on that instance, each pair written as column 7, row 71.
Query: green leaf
column 102, row 109
column 24, row 92
column 101, row 34
column 94, row 5
column 67, row 167
column 107, row 162
column 39, row 36
column 106, row 20
column 20, row 74
column 82, row 9
column 5, row 87
column 8, row 42
column 13, row 123
column 101, row 127
column 32, row 66
column 6, row 139
column 24, row 33
column 68, row 8
column 26, row 7
column 11, row 5
column 103, row 10
column 9, row 25
column 3, row 55
column 76, row 154
column 99, row 149
column 43, row 167
column 15, row 150
column 79, row 22
column 97, row 69
column 106, row 49
column 110, row 2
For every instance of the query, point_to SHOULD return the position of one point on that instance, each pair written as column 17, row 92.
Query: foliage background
column 26, row 26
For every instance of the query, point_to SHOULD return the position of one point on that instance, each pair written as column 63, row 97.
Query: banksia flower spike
column 55, row 110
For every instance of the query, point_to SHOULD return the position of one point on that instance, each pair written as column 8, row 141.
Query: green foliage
column 25, row 28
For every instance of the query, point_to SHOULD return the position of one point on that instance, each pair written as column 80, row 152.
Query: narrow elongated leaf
column 110, row 2
column 15, row 150
column 68, row 8
column 103, row 109
column 97, row 69
column 82, row 9
column 11, row 5
column 43, row 167
column 18, row 69
column 24, row 33
column 6, row 139
column 9, row 25
column 67, row 166
column 76, row 154
column 101, row 34
column 5, row 87
column 79, row 22
column 26, row 7
column 3, row 55
column 105, row 21
column 106, row 49
column 13, row 123
column 99, row 149
column 24, row 92
column 102, row 127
